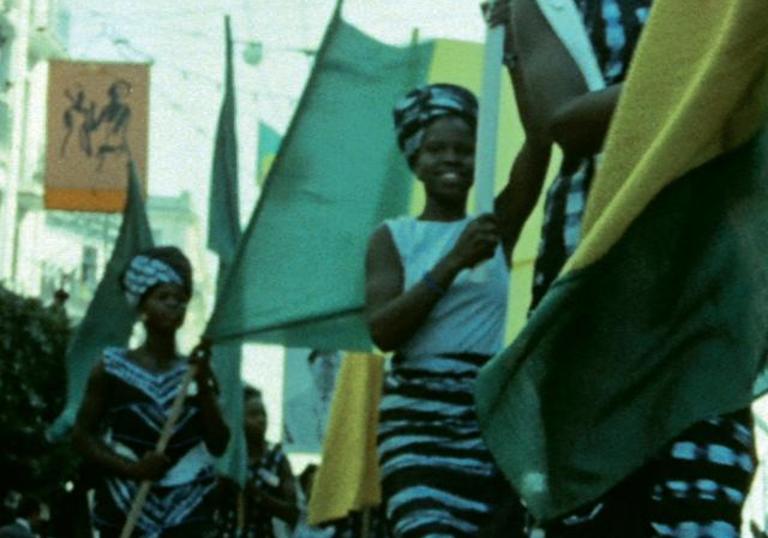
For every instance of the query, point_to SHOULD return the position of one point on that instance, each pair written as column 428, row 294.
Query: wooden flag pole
column 488, row 120
column 162, row 442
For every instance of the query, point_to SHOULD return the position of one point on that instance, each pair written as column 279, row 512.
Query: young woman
column 127, row 401
column 427, row 302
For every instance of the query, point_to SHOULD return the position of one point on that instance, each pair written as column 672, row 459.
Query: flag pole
column 488, row 120
column 165, row 437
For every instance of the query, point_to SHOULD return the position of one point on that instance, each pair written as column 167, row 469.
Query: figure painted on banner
column 436, row 295
column 557, row 107
column 306, row 414
column 268, row 500
column 101, row 133
column 78, row 119
column 111, row 125
column 129, row 396
column 31, row 516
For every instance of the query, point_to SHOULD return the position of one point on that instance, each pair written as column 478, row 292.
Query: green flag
column 223, row 235
column 224, row 200
column 109, row 319
column 298, row 275
column 659, row 320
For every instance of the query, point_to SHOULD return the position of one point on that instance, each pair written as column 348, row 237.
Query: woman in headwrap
column 697, row 485
column 127, row 401
column 443, row 319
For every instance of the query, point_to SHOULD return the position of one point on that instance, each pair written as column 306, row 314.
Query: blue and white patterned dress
column 138, row 404
column 695, row 488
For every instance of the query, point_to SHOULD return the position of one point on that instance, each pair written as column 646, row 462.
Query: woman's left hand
column 496, row 13
column 200, row 358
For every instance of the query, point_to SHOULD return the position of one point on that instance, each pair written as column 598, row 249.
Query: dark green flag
column 298, row 276
column 109, row 319
column 223, row 236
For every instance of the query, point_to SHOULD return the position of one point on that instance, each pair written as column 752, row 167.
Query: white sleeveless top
column 470, row 317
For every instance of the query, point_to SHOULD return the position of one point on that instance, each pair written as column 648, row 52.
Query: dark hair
column 28, row 507
column 250, row 392
column 315, row 353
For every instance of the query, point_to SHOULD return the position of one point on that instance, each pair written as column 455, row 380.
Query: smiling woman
column 443, row 319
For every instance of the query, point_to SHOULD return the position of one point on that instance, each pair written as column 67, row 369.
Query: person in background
column 303, row 528
column 269, row 493
column 128, row 398
column 306, row 414
column 31, row 515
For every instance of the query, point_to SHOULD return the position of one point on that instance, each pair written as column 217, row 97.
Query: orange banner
column 97, row 122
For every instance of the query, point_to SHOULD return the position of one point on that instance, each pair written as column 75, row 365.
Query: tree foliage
column 33, row 342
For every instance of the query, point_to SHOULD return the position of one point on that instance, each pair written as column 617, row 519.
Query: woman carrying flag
column 128, row 399
column 436, row 294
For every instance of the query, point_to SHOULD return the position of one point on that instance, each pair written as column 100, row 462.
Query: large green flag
column 223, row 236
column 109, row 319
column 660, row 318
column 297, row 279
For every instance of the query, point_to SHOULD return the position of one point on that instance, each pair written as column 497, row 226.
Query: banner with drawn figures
column 97, row 122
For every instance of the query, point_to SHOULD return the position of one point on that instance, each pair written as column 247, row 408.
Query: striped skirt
column 438, row 478
column 694, row 488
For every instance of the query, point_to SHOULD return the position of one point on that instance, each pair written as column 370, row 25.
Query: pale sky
column 184, row 40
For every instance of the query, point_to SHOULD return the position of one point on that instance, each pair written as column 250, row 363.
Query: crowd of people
column 437, row 289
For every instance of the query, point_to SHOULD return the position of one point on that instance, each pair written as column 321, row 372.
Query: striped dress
column 696, row 486
column 138, row 405
column 264, row 476
column 438, row 478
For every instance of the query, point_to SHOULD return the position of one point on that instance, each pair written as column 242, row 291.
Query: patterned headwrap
column 420, row 107
column 159, row 265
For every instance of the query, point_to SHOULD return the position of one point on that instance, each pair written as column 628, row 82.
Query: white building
column 70, row 250
column 31, row 32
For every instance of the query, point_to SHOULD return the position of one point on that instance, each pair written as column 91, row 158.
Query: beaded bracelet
column 432, row 284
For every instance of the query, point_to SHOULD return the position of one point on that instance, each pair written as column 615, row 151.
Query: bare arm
column 544, row 79
column 580, row 125
column 516, row 201
column 215, row 430
column 394, row 315
column 284, row 504
column 87, row 440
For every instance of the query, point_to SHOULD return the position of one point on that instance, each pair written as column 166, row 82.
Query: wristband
column 432, row 285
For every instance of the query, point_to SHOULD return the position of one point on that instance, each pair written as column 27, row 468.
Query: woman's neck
column 441, row 212
column 256, row 448
column 160, row 349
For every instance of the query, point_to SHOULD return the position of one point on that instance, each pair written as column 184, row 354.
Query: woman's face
column 255, row 419
column 446, row 160
column 164, row 307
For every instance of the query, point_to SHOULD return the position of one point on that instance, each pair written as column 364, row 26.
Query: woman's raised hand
column 477, row 242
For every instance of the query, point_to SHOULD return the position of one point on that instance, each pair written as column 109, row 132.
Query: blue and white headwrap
column 420, row 107
column 144, row 273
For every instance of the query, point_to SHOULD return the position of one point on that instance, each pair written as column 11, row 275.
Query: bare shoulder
column 381, row 246
column 383, row 268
